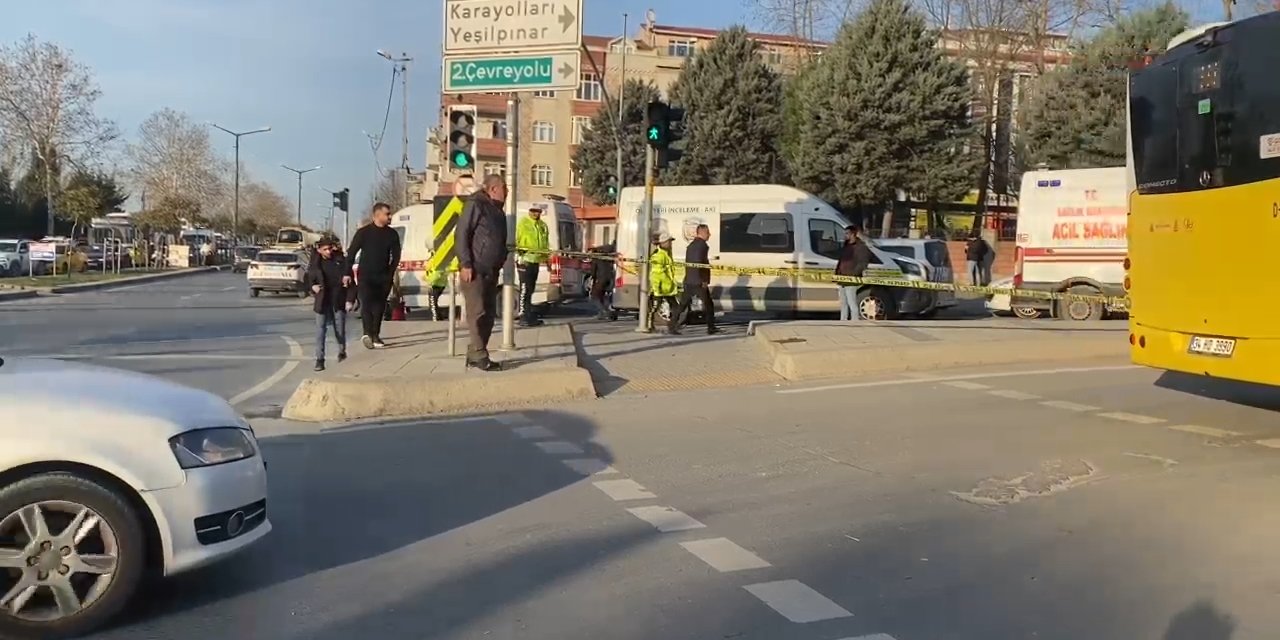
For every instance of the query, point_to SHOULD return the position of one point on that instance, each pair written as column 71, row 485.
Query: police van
column 1072, row 238
column 756, row 226
column 561, row 278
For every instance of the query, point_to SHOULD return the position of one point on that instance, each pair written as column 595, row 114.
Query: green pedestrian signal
column 657, row 128
column 462, row 137
column 654, row 132
column 461, row 160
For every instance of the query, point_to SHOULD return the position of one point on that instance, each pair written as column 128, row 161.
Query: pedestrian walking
column 855, row 256
column 376, row 247
column 603, row 271
column 533, row 248
column 662, row 278
column 333, row 298
column 975, row 253
column 481, row 242
column 697, row 283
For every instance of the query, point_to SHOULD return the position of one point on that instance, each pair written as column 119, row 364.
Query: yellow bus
column 1204, row 205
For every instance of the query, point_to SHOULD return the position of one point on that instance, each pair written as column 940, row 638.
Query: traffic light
column 670, row 154
column 611, row 190
column 341, row 200
column 657, row 131
column 462, row 137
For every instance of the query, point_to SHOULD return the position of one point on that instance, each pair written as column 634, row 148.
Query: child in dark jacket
column 334, row 296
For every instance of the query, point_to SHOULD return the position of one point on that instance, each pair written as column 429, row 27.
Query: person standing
column 975, row 254
column 333, row 298
column 533, row 246
column 855, row 257
column 603, row 271
column 436, row 281
column 662, row 278
column 481, row 242
column 697, row 282
column 377, row 248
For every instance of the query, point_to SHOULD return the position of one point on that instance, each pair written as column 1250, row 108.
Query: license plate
column 1223, row 347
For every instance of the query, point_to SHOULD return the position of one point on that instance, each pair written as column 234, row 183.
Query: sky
column 306, row 68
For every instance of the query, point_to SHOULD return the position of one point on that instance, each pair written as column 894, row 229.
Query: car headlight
column 208, row 447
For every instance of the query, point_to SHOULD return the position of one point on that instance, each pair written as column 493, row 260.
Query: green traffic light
column 654, row 132
column 461, row 159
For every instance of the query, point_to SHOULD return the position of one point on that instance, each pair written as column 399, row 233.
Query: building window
column 575, row 179
column 682, row 48
column 495, row 169
column 589, row 87
column 772, row 56
column 544, row 131
column 540, row 176
column 544, row 94
column 617, row 47
column 499, row 129
column 581, row 125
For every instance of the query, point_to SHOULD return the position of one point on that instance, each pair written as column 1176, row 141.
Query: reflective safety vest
column 436, row 278
column 662, row 277
column 533, row 241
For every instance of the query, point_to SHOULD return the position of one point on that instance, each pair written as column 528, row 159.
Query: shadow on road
column 1258, row 396
column 352, row 494
column 1201, row 621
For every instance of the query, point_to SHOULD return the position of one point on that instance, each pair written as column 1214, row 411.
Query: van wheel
column 1026, row 313
column 1080, row 310
column 253, row 293
column 875, row 303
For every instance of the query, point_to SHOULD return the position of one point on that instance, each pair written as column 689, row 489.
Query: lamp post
column 300, row 173
column 235, row 211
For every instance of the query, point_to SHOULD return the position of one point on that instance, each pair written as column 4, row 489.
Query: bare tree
column 173, row 157
column 813, row 20
column 47, row 101
column 390, row 188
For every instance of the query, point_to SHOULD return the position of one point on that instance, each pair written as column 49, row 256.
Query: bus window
column 1250, row 75
column 1153, row 106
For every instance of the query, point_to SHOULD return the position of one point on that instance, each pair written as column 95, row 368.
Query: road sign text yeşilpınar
column 492, row 26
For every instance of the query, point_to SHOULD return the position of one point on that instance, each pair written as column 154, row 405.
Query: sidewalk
column 415, row 376
column 824, row 349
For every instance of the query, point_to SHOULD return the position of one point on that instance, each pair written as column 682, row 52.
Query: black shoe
column 485, row 365
column 367, row 342
column 320, row 365
column 342, row 355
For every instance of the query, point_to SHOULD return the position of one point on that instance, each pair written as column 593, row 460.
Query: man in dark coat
column 481, row 242
column 327, row 278
column 855, row 257
column 697, row 283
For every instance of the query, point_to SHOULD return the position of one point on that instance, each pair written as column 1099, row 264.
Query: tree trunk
column 886, row 221
column 48, row 195
column 984, row 180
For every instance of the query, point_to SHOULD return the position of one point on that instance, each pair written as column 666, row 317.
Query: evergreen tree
column 733, row 115
column 793, row 112
column 596, row 159
column 1076, row 116
column 884, row 110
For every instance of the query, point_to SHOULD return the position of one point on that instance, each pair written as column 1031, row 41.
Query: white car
column 107, row 476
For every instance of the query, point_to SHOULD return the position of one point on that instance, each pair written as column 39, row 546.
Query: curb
column 109, row 284
column 18, row 294
column 844, row 363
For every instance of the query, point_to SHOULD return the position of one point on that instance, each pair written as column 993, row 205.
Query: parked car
column 1000, row 304
column 15, row 258
column 127, row 475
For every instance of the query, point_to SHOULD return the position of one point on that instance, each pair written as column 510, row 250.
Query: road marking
column 1212, row 432
column 230, row 288
column 189, row 297
column 1131, row 417
column 874, row 636
column 1069, row 406
column 724, row 555
column 965, row 384
column 797, row 601
column 1273, row 443
column 625, row 489
column 1013, row 395
column 533, row 433
column 88, row 345
column 666, row 519
column 295, row 352
column 559, row 448
column 968, row 376
column 589, row 466
column 164, row 356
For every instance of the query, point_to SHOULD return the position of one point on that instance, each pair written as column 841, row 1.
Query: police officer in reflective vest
column 662, row 277
column 437, row 281
column 532, row 251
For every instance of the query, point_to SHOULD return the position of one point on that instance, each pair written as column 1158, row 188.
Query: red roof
column 600, row 42
column 772, row 38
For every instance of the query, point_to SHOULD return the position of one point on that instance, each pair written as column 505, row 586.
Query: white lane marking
column 230, row 288
column 589, row 466
column 1069, row 406
column 625, row 489
column 94, row 345
column 724, row 555
column 511, row 419
column 874, row 636
column 1273, row 443
column 1131, row 417
column 666, row 519
column 965, row 384
column 968, row 376
column 1212, row 432
column 559, row 448
column 1013, row 395
column 163, row 356
column 532, row 433
column 797, row 601
column 295, row 352
column 192, row 296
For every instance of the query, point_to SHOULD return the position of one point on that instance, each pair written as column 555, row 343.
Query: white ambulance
column 771, row 226
column 560, row 280
column 1071, row 238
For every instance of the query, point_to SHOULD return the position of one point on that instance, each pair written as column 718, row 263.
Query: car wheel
column 1026, row 313
column 72, row 554
column 1080, row 310
column 875, row 303
column 253, row 293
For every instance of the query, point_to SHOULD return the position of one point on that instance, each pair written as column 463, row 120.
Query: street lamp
column 235, row 212
column 300, row 172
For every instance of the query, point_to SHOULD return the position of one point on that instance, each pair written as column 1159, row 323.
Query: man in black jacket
column 603, row 271
column 481, row 242
column 697, row 282
column 855, row 257
column 327, row 277
column 377, row 246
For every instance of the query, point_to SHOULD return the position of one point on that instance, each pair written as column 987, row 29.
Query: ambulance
column 1071, row 238
column 561, row 279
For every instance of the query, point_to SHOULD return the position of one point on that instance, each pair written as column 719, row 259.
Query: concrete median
column 415, row 376
column 17, row 294
column 132, row 280
column 816, row 350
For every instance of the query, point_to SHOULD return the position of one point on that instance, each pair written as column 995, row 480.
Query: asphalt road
column 1108, row 503
column 202, row 330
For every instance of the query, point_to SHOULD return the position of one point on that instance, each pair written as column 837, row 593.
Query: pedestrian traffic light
column 611, row 190
column 341, row 200
column 657, row 130
column 672, row 151
column 462, row 137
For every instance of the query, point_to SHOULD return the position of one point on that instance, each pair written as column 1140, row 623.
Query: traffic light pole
column 646, row 236
column 513, row 182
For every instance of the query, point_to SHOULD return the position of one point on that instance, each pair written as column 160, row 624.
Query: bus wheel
column 1080, row 310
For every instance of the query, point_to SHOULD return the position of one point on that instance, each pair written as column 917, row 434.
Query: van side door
column 756, row 240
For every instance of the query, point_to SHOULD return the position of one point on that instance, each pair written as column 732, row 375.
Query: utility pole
column 513, row 183
column 403, row 60
column 235, row 210
column 646, row 235
column 622, row 91
column 300, row 173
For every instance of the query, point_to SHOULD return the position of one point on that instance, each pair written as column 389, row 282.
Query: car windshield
column 246, row 252
column 290, row 237
column 8, row 247
column 278, row 258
